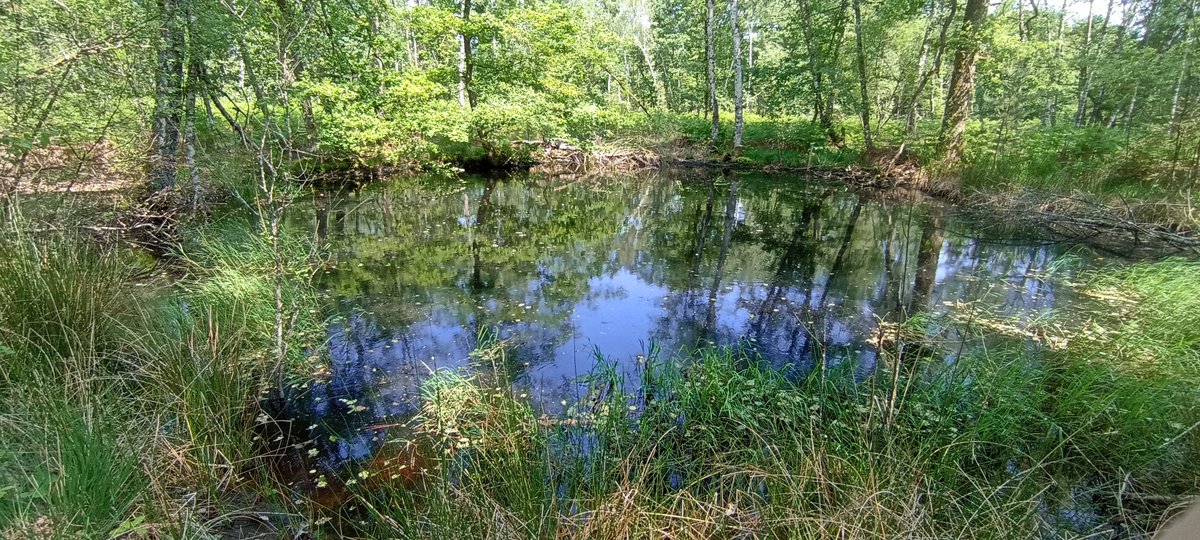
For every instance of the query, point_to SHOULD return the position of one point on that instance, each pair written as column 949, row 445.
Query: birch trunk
column 936, row 69
column 189, row 135
column 814, row 60
column 1081, row 102
column 1051, row 117
column 827, row 118
column 1087, row 85
column 167, row 97
column 466, row 97
column 737, row 78
column 710, row 56
column 910, row 117
column 660, row 91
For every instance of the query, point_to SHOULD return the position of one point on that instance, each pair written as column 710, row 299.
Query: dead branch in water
column 868, row 178
column 1079, row 218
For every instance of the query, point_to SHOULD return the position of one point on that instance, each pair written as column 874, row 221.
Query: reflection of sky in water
column 793, row 271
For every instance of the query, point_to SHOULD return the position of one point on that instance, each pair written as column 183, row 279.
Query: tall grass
column 63, row 308
column 1154, row 316
column 62, row 303
column 120, row 393
column 65, row 464
column 1005, row 442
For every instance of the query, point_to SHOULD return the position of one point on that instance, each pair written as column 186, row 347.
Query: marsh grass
column 1006, row 441
column 62, row 303
column 127, row 403
column 66, row 464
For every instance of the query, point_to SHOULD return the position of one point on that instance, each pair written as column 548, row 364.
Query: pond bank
column 164, row 390
column 1153, row 229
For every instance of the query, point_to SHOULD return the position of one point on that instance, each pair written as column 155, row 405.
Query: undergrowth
column 127, row 403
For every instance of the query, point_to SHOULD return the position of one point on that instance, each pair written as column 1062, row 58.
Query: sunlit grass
column 131, row 406
column 999, row 445
column 127, row 404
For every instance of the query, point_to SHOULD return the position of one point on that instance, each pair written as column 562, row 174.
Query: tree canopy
column 388, row 82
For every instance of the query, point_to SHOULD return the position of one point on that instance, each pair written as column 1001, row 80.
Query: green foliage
column 1092, row 160
column 377, row 84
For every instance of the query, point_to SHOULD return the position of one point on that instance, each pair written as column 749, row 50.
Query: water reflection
column 801, row 273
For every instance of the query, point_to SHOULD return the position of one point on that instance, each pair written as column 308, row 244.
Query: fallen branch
column 1085, row 220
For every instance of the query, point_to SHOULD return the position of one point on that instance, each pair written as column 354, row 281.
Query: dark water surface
column 564, row 269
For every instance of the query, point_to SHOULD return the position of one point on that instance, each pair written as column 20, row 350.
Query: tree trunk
column 750, row 68
column 1176, row 112
column 726, row 237
column 1173, row 128
column 189, row 134
column 168, row 96
column 827, row 119
column 660, row 91
column 466, row 68
column 1084, row 73
column 710, row 56
column 962, row 83
column 865, row 109
column 737, row 78
column 814, row 61
column 1051, row 118
column 927, row 264
column 910, row 118
column 936, row 69
column 1096, row 112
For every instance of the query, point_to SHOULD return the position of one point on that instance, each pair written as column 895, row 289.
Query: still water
column 567, row 269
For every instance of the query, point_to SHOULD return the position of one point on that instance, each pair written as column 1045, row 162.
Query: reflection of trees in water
column 364, row 386
column 481, row 216
column 726, row 235
column 792, row 270
column 518, row 256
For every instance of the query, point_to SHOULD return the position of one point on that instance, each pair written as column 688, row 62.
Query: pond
column 566, row 270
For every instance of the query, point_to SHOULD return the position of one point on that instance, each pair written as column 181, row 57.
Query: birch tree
column 466, row 67
column 861, row 61
column 168, row 95
column 710, row 57
column 738, row 105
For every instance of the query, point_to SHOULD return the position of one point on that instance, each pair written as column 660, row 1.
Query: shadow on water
column 798, row 273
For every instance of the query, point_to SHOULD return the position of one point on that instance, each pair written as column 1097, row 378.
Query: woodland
column 1097, row 96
